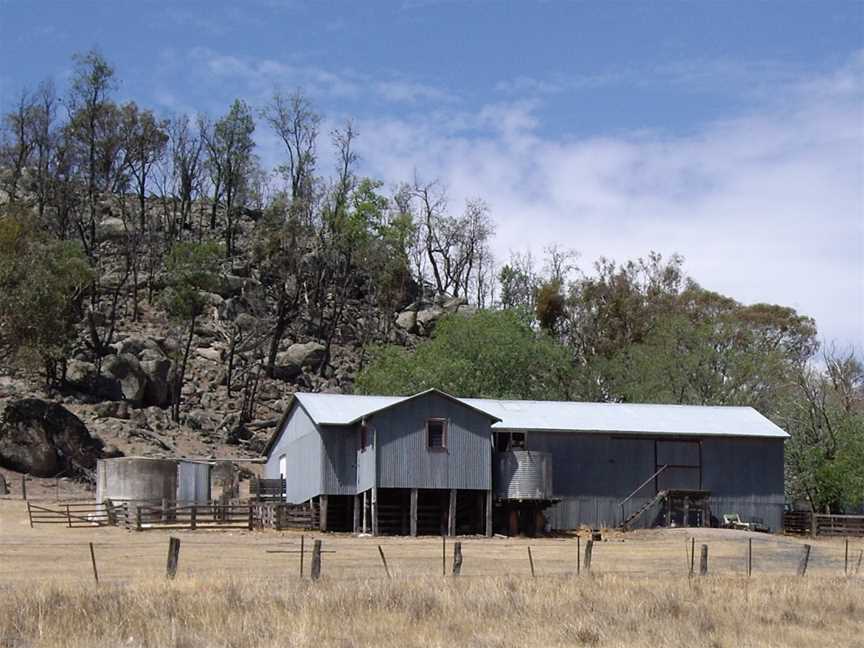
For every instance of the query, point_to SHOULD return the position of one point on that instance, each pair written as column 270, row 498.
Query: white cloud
column 768, row 206
column 765, row 207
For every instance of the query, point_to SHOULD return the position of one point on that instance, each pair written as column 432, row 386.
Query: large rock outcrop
column 421, row 317
column 290, row 363
column 45, row 439
column 140, row 372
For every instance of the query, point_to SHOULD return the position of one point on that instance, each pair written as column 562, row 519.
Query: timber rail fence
column 823, row 524
column 142, row 515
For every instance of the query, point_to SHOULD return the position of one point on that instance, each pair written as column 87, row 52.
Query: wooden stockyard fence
column 165, row 514
column 823, row 524
column 253, row 514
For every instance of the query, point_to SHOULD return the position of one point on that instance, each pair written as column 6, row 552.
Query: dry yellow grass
column 231, row 591
column 594, row 611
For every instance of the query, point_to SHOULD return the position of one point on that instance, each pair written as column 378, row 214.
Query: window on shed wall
column 507, row 441
column 436, row 434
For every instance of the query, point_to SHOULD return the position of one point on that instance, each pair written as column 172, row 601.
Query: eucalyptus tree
column 230, row 146
column 91, row 126
column 145, row 139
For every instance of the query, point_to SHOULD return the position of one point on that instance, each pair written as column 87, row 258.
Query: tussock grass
column 483, row 612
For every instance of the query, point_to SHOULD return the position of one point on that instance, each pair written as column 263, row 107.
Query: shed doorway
column 683, row 461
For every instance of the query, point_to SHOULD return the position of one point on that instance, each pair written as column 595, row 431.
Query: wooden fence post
column 531, row 561
column 251, row 517
column 24, row 487
column 814, row 524
column 29, row 515
column 110, row 512
column 443, row 555
column 589, row 549
column 749, row 557
column 457, row 558
column 68, row 517
column 692, row 555
column 302, row 553
column 858, row 566
column 93, row 561
column 315, row 569
column 846, row 559
column 805, row 559
column 173, row 557
column 193, row 517
column 703, row 561
column 578, row 555
column 384, row 560
column 138, row 517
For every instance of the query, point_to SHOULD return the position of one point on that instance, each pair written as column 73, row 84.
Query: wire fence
column 344, row 557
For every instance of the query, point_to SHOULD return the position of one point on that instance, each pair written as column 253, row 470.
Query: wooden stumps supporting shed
column 451, row 514
column 374, row 510
column 357, row 513
column 322, row 512
column 413, row 513
column 488, row 513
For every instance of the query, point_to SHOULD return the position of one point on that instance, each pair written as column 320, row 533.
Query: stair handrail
column 641, row 486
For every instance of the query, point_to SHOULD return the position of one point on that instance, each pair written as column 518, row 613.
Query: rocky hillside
column 123, row 394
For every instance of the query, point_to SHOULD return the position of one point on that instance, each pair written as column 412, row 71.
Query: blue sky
column 730, row 132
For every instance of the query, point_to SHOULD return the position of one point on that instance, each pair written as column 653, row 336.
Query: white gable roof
column 342, row 409
column 567, row 416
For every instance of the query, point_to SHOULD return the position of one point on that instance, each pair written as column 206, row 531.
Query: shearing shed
column 432, row 463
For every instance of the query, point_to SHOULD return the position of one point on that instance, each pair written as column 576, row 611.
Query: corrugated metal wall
column 595, row 464
column 339, row 468
column 405, row 461
column 594, row 472
column 303, row 449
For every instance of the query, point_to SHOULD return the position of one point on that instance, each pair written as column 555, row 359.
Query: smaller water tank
column 147, row 479
column 136, row 478
column 522, row 475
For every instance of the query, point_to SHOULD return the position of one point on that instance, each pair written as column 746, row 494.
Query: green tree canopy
column 493, row 354
column 42, row 283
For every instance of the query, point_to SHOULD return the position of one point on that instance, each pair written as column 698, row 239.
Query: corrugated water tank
column 522, row 475
column 136, row 478
column 148, row 479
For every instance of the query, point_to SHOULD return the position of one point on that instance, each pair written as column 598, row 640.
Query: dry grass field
column 244, row 589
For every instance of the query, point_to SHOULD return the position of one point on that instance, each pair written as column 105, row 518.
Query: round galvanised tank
column 193, row 482
column 136, row 478
column 522, row 475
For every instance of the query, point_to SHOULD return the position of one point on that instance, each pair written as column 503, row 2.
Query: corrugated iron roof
column 628, row 417
column 567, row 416
column 342, row 409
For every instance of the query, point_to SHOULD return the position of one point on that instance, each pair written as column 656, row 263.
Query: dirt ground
column 54, row 552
